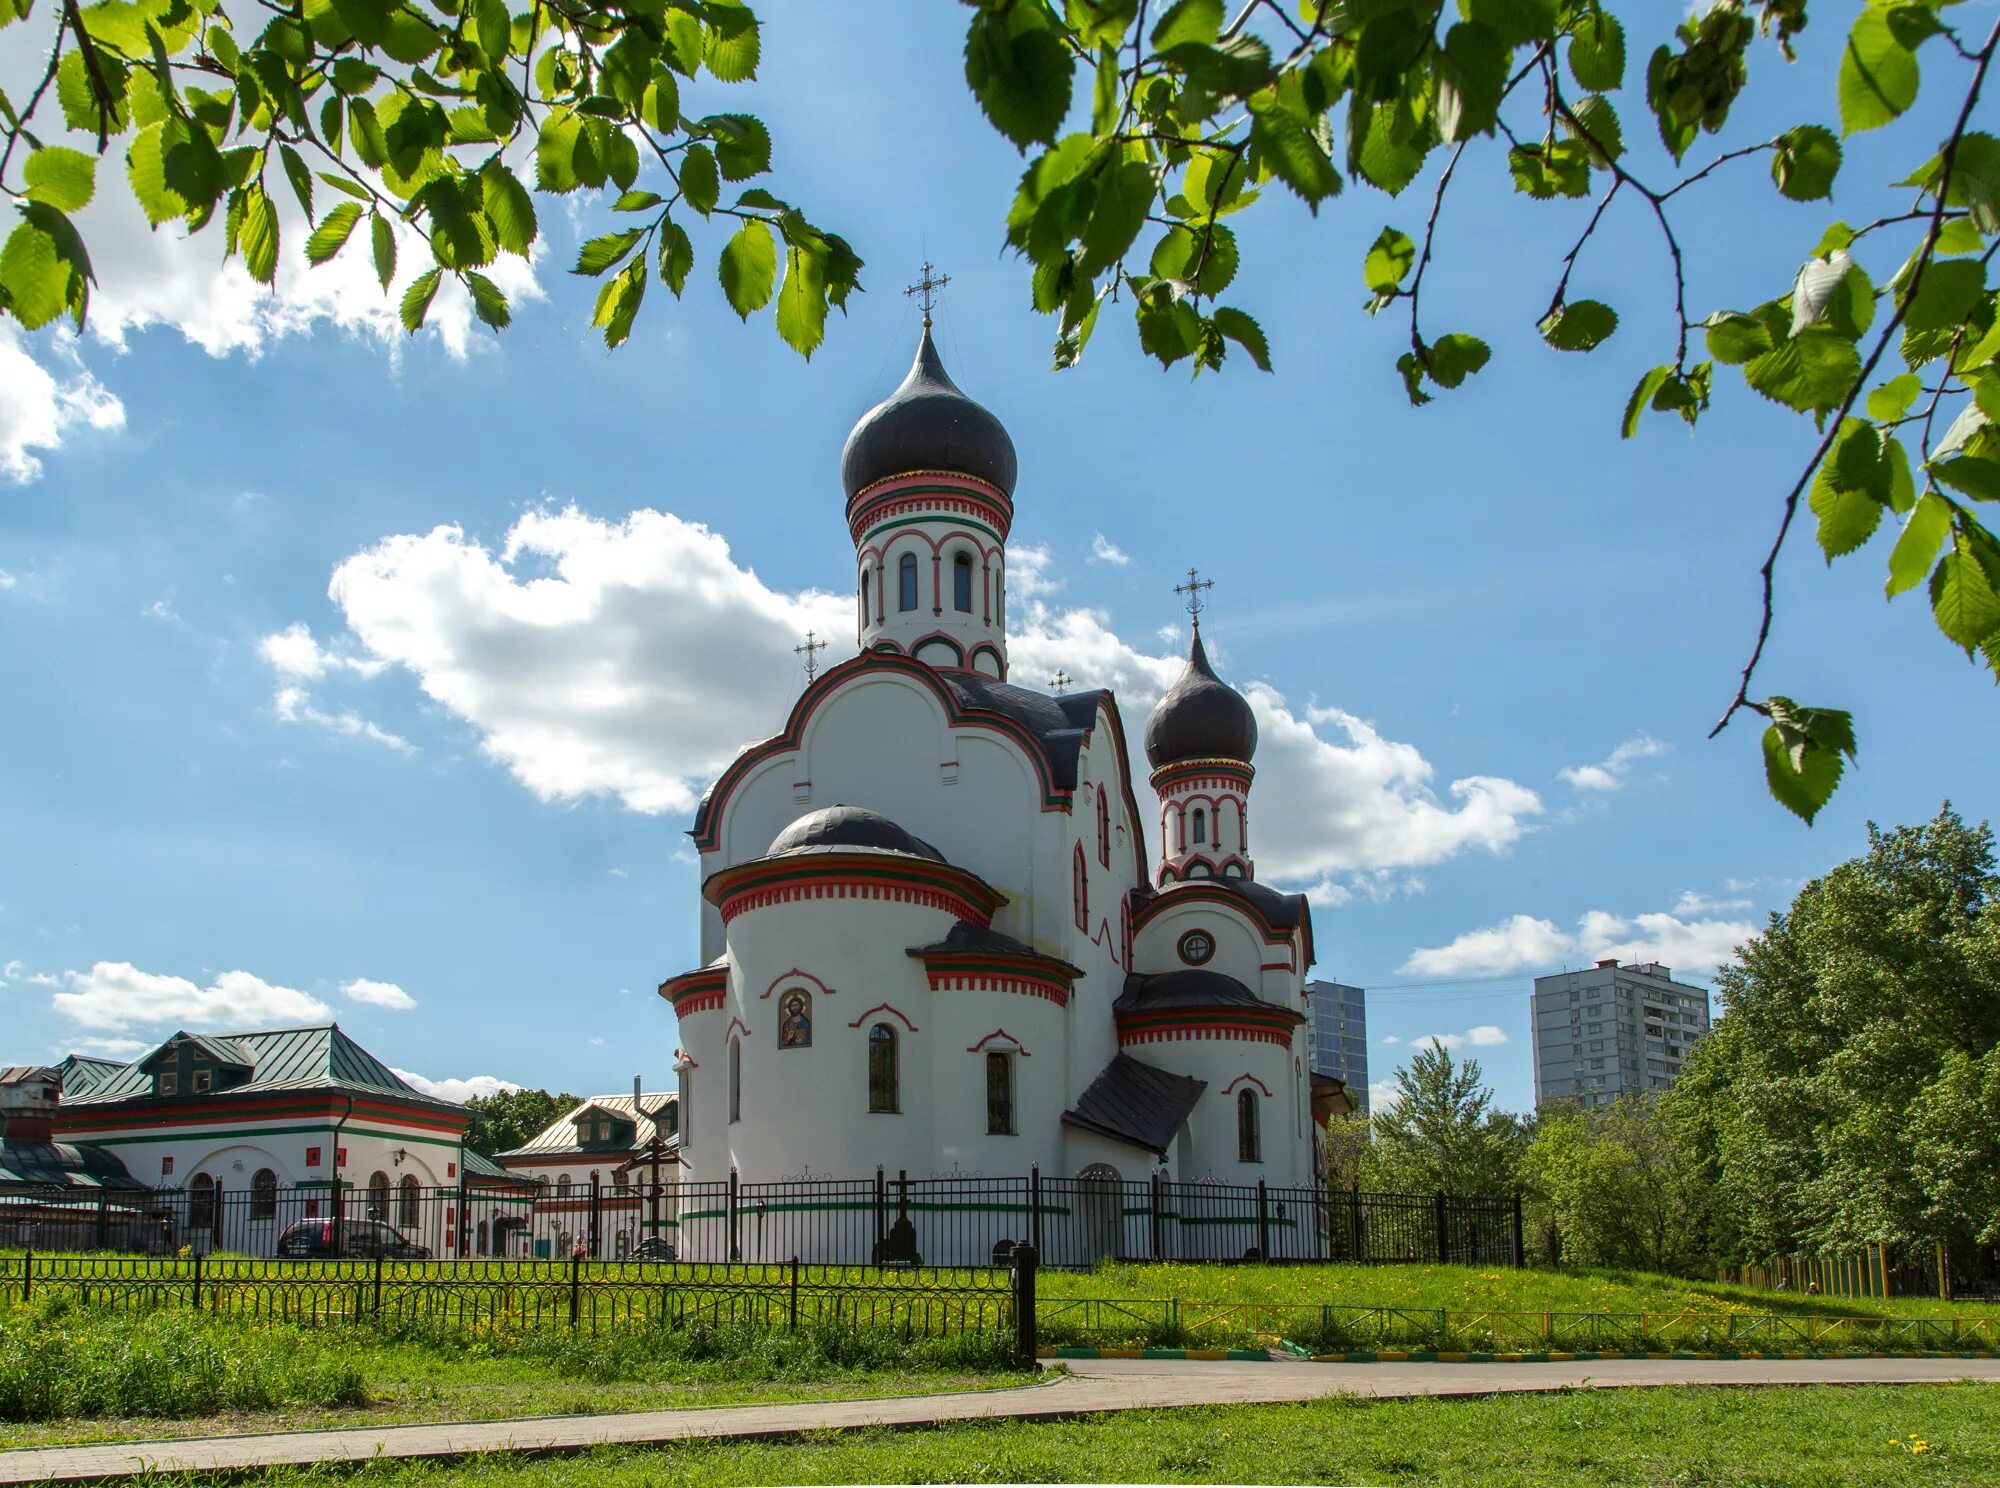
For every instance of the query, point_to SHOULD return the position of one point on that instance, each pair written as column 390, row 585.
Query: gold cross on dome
column 924, row 290
column 1193, row 590
column 1060, row 680
column 810, row 651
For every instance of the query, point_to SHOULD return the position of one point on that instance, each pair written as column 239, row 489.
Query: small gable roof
column 559, row 1136
column 320, row 1057
column 224, row 1051
column 1136, row 1103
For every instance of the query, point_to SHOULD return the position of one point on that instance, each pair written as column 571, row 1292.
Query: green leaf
column 332, row 233
column 1188, row 21
column 1811, row 372
column 1803, row 754
column 1894, row 398
column 1850, row 490
column 1019, row 71
column 1389, row 260
column 1168, row 325
column 1946, row 294
column 1974, row 476
column 1388, row 157
column 1471, row 76
column 1734, row 339
column 417, row 299
column 60, row 177
column 1597, row 52
column 384, row 244
column 1204, row 258
column 802, row 302
column 618, row 303
column 701, row 182
column 606, row 252
column 1962, row 599
column 1287, row 149
column 1975, row 185
column 488, row 303
column 508, row 207
column 1246, row 333
column 1124, row 194
column 1596, row 127
column 742, row 145
column 1582, row 325
column 80, row 105
column 731, row 53
column 1924, row 532
column 1561, row 169
column 676, row 256
column 1807, row 160
column 1642, row 395
column 259, row 235
column 1456, row 357
column 1878, row 73
column 748, row 268
column 174, row 169
column 43, row 268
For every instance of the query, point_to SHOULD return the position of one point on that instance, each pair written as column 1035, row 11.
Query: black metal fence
column 890, row 1219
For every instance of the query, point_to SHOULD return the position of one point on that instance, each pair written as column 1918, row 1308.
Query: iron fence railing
column 890, row 1219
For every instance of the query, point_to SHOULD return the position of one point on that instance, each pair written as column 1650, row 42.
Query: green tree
column 1617, row 1186
column 1154, row 126
column 1854, row 1078
column 509, row 1118
column 1346, row 1149
column 1440, row 1133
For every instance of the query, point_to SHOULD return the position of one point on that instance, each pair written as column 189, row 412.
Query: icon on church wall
column 795, row 1024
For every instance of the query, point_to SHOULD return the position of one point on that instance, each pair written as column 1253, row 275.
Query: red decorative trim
column 1217, row 1029
column 883, row 1007
column 766, row 881
column 1201, row 891
column 1246, row 1075
column 1001, row 1033
column 734, row 1024
column 1276, row 966
column 795, row 975
column 1229, row 775
column 1024, row 982
column 937, row 635
column 698, row 990
column 928, row 490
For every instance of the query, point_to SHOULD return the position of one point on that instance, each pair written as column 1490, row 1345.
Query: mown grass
column 1804, row 1437
column 70, row 1373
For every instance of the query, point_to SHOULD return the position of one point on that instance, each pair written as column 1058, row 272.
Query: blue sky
column 346, row 671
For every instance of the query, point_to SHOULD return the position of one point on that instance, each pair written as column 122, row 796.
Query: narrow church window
column 906, row 582
column 961, row 583
column 1103, row 829
column 407, row 1201
column 882, row 1068
column 1248, row 1148
column 735, row 1080
column 1200, row 832
column 864, row 598
column 378, row 1195
column 201, row 1204
column 1081, row 889
column 263, row 1194
column 999, row 1094
column 562, row 1186
column 795, row 1023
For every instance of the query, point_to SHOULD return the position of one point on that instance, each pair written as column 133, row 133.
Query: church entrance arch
column 1100, row 1211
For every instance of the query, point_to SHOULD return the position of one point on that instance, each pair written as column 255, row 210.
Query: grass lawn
column 1807, row 1437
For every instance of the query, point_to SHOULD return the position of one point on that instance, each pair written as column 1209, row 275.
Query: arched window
column 407, row 1201
column 999, row 1093
column 1103, row 828
column 1248, row 1146
column 263, row 1194
column 1198, row 833
column 906, row 582
column 562, row 1186
column 865, row 576
column 735, row 1080
column 201, row 1203
column 378, row 1195
column 961, row 583
column 795, row 1019
column 1080, row 889
column 882, row 1073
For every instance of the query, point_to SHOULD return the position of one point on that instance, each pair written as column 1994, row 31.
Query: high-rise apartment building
column 1612, row 1030
column 1339, row 1018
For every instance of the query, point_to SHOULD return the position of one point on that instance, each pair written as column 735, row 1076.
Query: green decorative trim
column 114, row 1139
column 956, row 519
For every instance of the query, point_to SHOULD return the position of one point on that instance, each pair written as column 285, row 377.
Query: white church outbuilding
column 933, row 937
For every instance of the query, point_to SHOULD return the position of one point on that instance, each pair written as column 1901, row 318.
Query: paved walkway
column 1093, row 1385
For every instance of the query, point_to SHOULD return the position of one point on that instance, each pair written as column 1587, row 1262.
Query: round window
column 1196, row 947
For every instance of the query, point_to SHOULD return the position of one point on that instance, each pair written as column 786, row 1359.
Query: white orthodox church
column 933, row 936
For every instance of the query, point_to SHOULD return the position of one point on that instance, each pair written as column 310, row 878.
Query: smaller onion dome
column 1201, row 717
column 927, row 424
column 849, row 828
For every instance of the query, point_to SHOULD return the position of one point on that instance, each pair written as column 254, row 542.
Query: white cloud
column 116, row 995
column 1609, row 773
column 1522, row 943
column 1485, row 1036
column 12, row 970
column 1693, row 903
column 295, row 705
column 378, row 994
column 1390, row 1038
column 111, row 1048
column 7, row 580
column 160, row 609
column 1028, row 577
column 38, row 407
column 1384, row 1095
column 292, row 652
column 454, row 1089
column 567, row 648
column 1441, row 1040
column 1103, row 550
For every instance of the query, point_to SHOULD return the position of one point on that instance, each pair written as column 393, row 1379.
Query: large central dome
column 927, row 424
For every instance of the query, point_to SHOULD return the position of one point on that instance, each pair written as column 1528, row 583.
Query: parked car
column 311, row 1239
column 653, row 1248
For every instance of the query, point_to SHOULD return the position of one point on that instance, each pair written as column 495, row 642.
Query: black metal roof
column 1283, row 910
column 1059, row 724
column 964, row 936
column 1201, row 717
column 927, row 424
column 1192, row 986
column 846, row 828
column 1136, row 1103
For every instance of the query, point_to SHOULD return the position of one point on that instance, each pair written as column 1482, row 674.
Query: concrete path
column 1093, row 1385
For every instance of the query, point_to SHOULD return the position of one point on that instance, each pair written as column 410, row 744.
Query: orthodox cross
column 925, row 290
column 810, row 651
column 1193, row 590
column 1060, row 680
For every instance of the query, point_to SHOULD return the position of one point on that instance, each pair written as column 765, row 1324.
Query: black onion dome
column 846, row 829
column 927, row 424
column 1201, row 717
